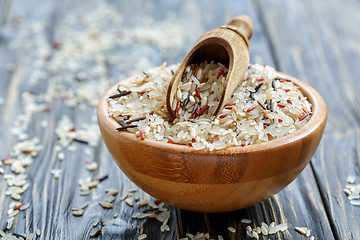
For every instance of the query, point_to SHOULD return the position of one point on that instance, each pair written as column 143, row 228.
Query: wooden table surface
column 41, row 42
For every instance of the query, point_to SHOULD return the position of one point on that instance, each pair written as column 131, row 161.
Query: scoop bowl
column 214, row 181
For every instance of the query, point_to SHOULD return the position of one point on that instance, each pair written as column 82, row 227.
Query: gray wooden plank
column 51, row 200
column 331, row 67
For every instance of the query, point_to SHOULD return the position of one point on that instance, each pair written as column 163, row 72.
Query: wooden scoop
column 228, row 45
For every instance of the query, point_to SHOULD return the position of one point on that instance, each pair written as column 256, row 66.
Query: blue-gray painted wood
column 316, row 41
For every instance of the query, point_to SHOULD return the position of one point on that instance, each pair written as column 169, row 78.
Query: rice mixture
column 265, row 106
column 200, row 90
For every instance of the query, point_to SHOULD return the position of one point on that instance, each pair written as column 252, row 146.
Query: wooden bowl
column 222, row 180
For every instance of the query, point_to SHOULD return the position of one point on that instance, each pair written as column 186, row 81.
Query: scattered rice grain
column 355, row 202
column 112, row 191
column 61, row 156
column 142, row 236
column 91, row 166
column 106, row 205
column 95, row 233
column 78, row 212
column 129, row 201
column 300, row 230
column 246, row 221
column 143, row 202
column 96, row 222
column 350, row 179
column 264, row 231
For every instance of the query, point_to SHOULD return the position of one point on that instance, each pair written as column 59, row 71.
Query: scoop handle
column 243, row 25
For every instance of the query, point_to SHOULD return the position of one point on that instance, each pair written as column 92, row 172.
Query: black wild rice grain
column 252, row 94
column 261, row 105
column 146, row 210
column 122, row 123
column 120, row 94
column 103, row 178
column 267, row 124
column 186, row 100
column 250, row 100
column 80, row 141
column 271, row 106
column 258, row 87
column 195, row 107
column 136, row 120
column 273, row 85
column 125, row 128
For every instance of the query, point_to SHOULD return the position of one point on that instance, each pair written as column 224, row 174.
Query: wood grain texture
column 289, row 205
column 331, row 69
column 51, row 200
column 315, row 41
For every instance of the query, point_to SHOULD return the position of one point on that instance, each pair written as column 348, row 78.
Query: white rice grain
column 194, row 126
column 142, row 236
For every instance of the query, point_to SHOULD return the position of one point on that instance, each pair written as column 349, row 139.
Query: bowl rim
column 317, row 118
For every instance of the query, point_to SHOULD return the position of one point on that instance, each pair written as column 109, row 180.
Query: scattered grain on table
column 352, row 190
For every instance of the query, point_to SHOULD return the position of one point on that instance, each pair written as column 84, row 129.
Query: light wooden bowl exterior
column 221, row 180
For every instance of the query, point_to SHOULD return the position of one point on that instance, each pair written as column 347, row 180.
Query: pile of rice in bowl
column 265, row 106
